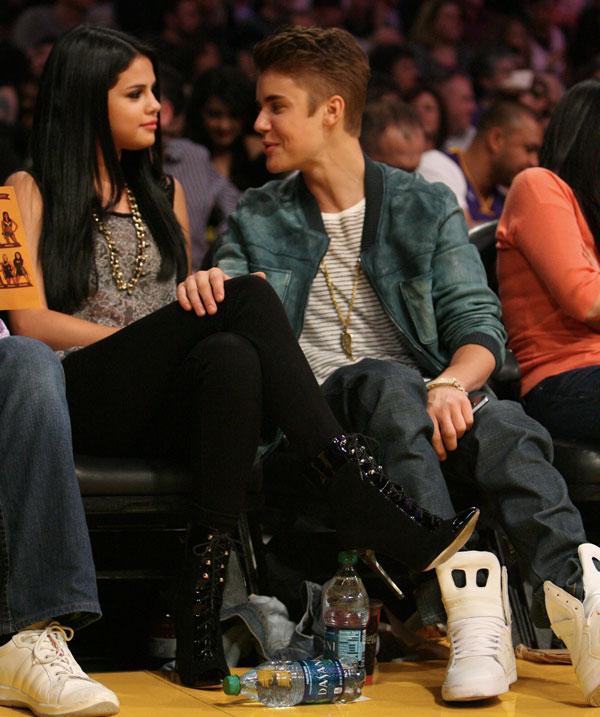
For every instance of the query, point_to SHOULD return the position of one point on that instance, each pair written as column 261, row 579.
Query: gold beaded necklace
column 142, row 245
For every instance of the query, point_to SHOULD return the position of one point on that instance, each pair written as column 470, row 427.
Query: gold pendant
column 346, row 340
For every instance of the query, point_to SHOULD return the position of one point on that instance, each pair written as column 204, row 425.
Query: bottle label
column 323, row 680
column 346, row 645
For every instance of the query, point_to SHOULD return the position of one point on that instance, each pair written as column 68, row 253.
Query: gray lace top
column 106, row 304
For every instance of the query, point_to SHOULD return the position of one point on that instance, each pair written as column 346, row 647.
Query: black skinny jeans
column 196, row 389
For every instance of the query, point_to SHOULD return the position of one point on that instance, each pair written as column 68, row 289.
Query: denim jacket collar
column 374, row 189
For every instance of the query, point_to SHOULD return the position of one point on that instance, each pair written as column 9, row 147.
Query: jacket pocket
column 278, row 278
column 418, row 297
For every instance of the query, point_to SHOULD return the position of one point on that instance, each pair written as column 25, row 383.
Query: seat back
column 483, row 236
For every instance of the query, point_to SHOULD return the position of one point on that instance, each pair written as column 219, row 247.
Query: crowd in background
column 449, row 59
column 465, row 91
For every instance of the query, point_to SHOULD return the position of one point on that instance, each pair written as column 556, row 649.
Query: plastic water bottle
column 345, row 606
column 285, row 683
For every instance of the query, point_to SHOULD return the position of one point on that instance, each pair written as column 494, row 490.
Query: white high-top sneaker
column 577, row 623
column 475, row 593
column 38, row 671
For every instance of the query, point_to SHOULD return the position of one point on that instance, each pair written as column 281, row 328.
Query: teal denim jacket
column 414, row 252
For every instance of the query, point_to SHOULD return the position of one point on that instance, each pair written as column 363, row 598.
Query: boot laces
column 373, row 472
column 212, row 555
column 477, row 636
column 50, row 649
column 217, row 544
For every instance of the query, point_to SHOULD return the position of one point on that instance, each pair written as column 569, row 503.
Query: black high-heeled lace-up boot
column 200, row 660
column 371, row 512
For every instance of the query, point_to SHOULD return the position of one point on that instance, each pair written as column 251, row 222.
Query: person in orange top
column 549, row 280
column 549, row 271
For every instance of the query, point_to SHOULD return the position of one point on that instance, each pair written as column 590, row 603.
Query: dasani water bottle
column 345, row 605
column 286, row 683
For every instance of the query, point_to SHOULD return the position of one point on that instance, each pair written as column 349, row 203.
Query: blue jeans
column 504, row 460
column 568, row 404
column 46, row 565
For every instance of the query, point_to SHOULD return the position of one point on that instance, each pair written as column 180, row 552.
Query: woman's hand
column 203, row 290
column 452, row 416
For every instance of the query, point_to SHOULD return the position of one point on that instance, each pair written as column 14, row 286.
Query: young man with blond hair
column 391, row 306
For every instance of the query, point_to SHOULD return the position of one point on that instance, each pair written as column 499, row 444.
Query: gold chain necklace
column 142, row 245
column 346, row 337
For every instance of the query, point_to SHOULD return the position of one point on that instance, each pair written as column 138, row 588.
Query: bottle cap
column 348, row 557
column 232, row 685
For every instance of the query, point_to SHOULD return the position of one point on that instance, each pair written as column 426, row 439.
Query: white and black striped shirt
column 373, row 333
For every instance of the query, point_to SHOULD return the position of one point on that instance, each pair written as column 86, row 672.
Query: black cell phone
column 478, row 401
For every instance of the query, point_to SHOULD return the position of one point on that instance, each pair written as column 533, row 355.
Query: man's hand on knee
column 203, row 290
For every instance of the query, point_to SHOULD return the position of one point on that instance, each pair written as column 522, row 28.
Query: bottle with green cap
column 285, row 683
column 345, row 605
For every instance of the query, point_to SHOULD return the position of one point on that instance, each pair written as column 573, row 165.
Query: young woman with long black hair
column 155, row 377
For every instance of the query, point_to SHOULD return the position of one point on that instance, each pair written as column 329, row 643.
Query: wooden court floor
column 401, row 689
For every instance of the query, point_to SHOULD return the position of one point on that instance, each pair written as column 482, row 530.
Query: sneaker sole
column 486, row 692
column 8, row 698
column 483, row 694
column 455, row 545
